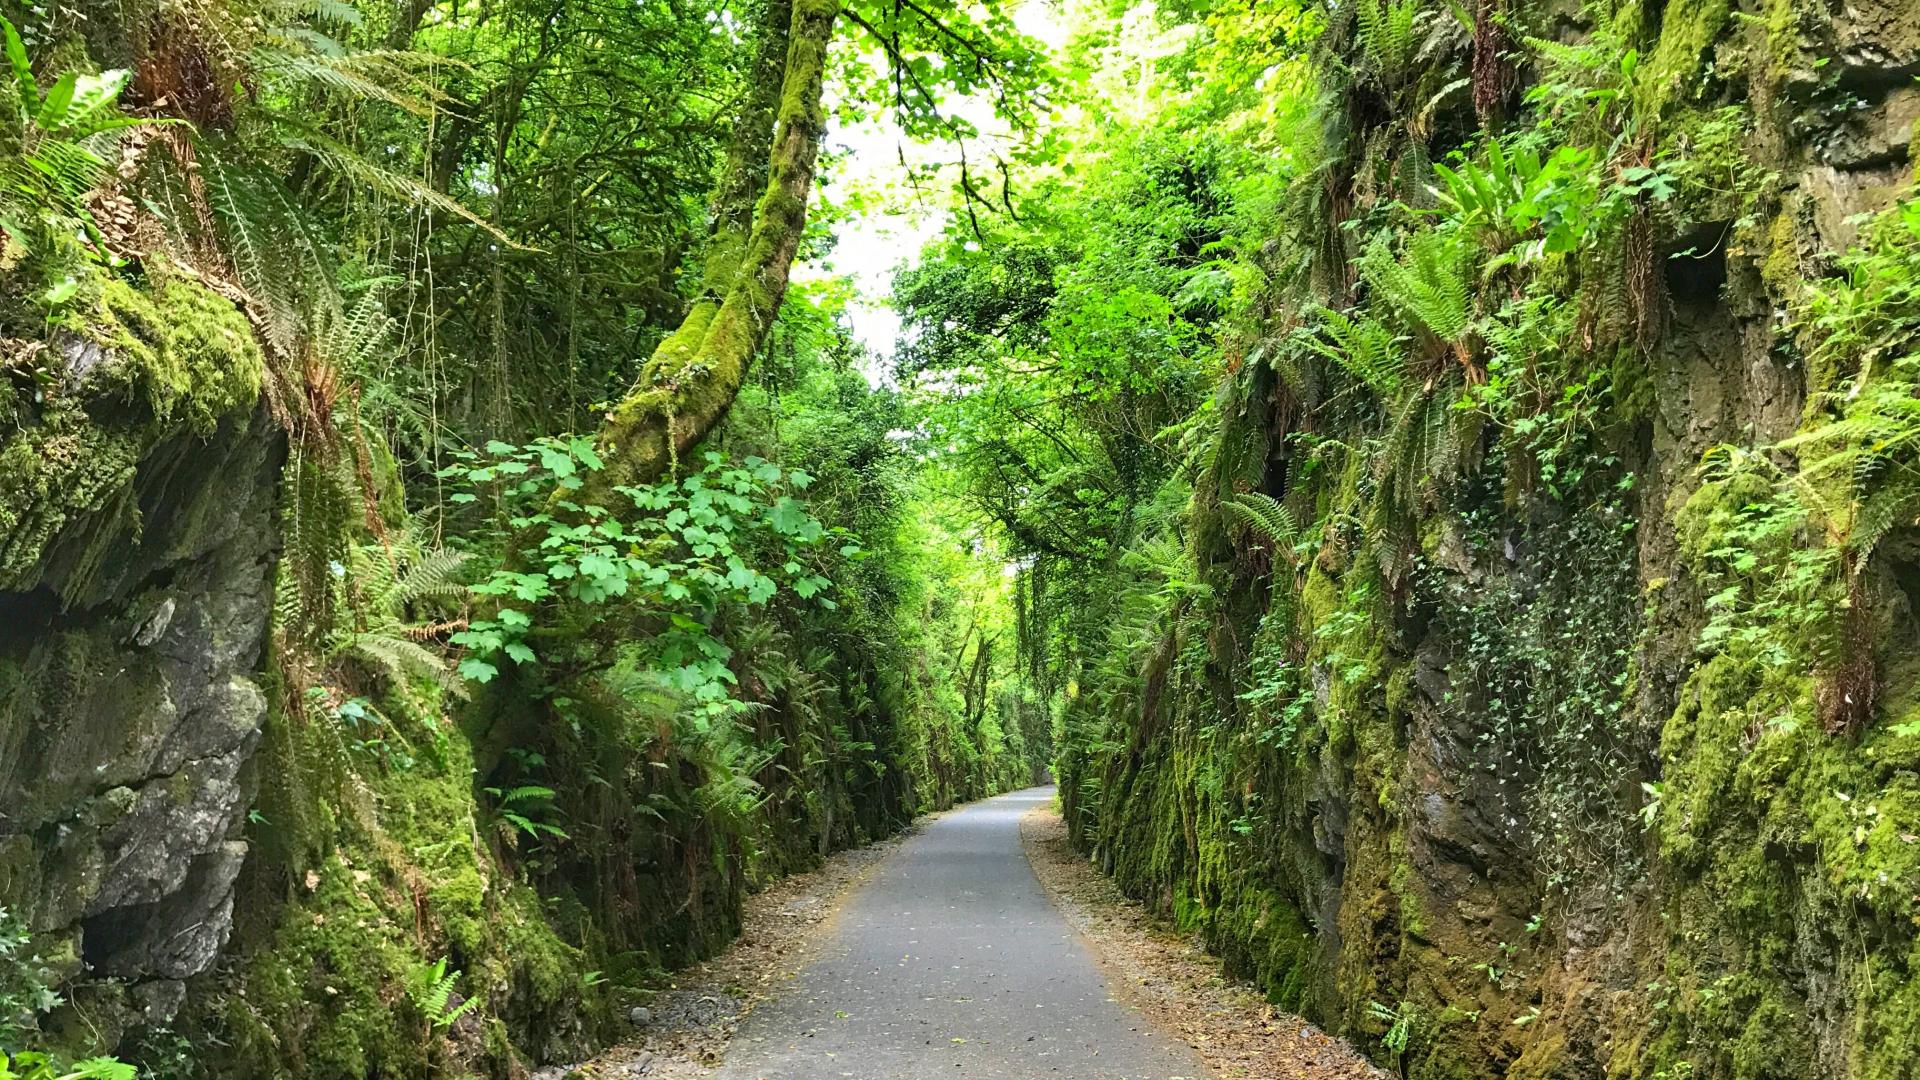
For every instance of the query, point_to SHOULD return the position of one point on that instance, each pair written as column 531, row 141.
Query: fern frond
column 1267, row 516
column 1366, row 348
column 435, row 573
column 525, row 793
column 396, row 658
column 1440, row 440
column 449, row 1017
column 355, row 75
column 430, row 987
column 395, row 185
column 1879, row 514
column 1430, row 288
column 1385, row 30
column 338, row 12
column 275, row 255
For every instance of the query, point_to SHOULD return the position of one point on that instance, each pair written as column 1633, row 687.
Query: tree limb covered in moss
column 692, row 377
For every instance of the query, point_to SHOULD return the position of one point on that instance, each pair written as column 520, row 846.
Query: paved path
column 951, row 962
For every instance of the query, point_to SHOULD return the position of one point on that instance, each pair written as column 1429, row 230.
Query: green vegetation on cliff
column 1459, row 461
column 1437, row 482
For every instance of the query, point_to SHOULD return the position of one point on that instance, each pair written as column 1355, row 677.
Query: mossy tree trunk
column 758, row 213
column 690, row 381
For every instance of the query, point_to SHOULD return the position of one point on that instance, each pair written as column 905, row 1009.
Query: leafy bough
column 681, row 549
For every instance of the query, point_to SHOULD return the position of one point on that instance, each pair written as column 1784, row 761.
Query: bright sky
column 873, row 245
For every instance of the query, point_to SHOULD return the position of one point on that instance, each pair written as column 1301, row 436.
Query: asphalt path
column 951, row 962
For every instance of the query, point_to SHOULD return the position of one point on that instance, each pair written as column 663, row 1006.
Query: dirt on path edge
column 1171, row 979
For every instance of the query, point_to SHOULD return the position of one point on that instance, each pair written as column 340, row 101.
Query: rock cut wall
column 1487, row 777
column 134, row 606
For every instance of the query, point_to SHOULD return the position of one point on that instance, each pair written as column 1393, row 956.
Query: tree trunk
column 690, row 381
column 692, row 377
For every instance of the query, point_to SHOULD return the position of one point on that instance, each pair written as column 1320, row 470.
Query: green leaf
column 583, row 449
column 28, row 90
column 94, row 93
column 100, row 1068
column 556, row 462
column 788, row 516
column 477, row 670
column 60, row 292
column 53, row 111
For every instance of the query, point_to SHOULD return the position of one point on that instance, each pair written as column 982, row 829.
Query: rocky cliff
column 1513, row 761
column 137, row 486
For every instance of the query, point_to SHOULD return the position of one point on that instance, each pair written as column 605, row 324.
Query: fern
column 361, row 76
column 68, row 134
column 519, row 803
column 385, row 581
column 1398, row 464
column 430, row 987
column 216, row 203
column 338, row 12
column 433, row 573
column 266, row 239
column 1267, row 516
column 1284, row 355
column 1430, row 288
column 1364, row 347
column 398, row 186
column 1424, row 446
column 1386, row 30
column 397, row 659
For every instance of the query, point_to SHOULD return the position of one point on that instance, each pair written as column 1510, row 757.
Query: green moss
column 1781, row 268
column 1688, row 28
column 177, row 359
column 395, row 877
column 180, row 351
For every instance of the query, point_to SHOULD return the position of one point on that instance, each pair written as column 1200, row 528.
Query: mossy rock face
column 135, row 537
column 149, row 373
column 332, row 945
column 1520, row 795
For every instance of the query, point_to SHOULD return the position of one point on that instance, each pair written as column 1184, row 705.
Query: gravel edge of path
column 1172, row 980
